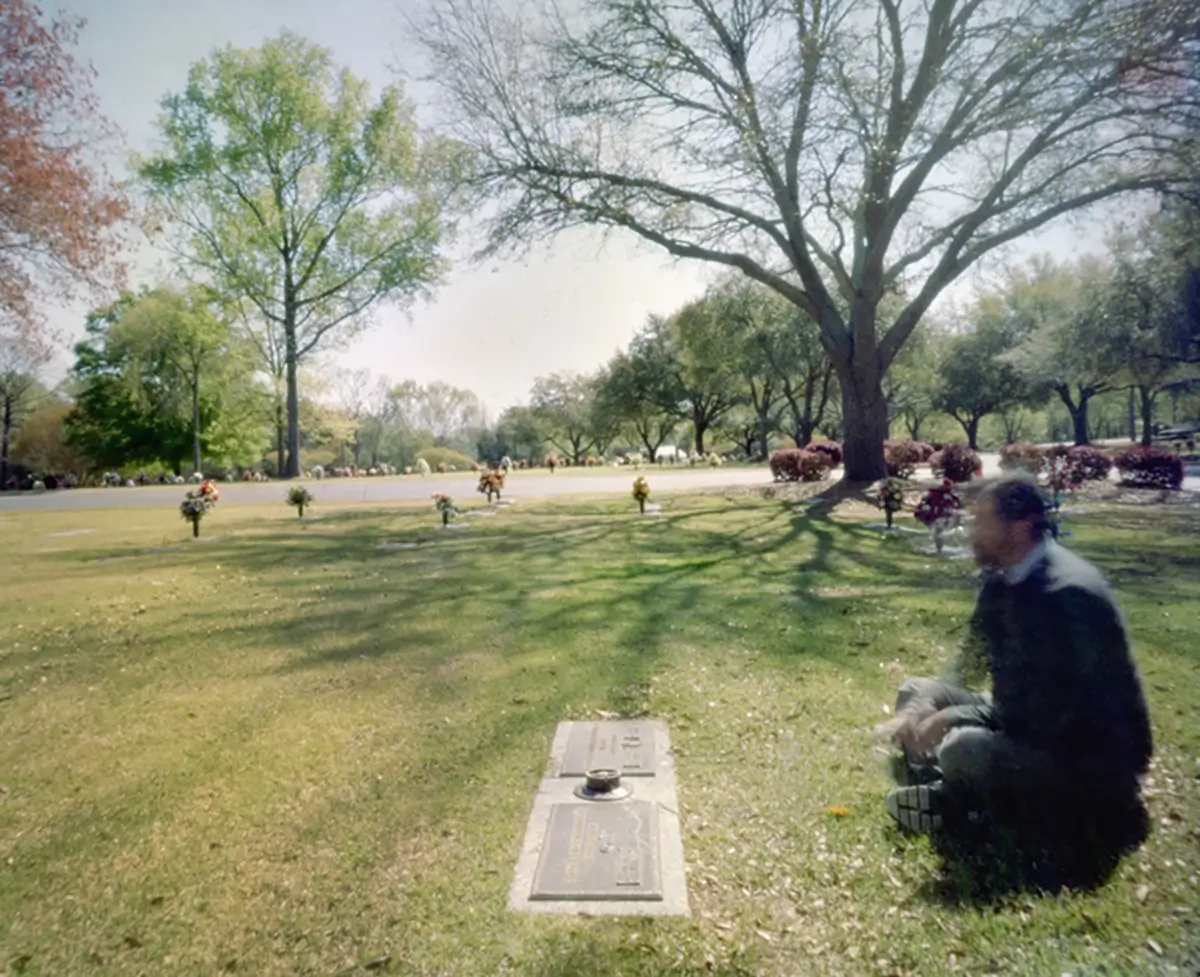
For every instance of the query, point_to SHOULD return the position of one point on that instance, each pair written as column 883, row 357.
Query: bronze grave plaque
column 600, row 852
column 626, row 746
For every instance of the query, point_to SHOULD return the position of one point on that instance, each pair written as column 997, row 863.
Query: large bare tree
column 835, row 150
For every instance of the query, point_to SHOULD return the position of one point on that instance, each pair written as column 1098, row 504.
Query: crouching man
column 1056, row 749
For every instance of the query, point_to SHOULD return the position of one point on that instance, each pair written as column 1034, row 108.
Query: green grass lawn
column 286, row 750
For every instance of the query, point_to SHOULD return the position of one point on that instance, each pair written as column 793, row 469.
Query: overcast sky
column 491, row 329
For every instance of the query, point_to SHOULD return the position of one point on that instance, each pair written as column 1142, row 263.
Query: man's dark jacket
column 1063, row 679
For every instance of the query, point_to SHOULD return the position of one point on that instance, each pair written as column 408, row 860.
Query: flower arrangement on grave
column 1062, row 478
column 299, row 497
column 198, row 503
column 939, row 509
column 491, row 482
column 551, row 462
column 641, row 492
column 889, row 496
column 445, row 505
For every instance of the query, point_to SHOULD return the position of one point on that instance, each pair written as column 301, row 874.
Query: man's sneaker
column 917, row 809
column 909, row 773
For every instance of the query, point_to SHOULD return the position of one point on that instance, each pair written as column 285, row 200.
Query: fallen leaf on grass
column 1143, row 892
column 765, row 935
column 378, row 962
column 1154, row 945
column 840, row 812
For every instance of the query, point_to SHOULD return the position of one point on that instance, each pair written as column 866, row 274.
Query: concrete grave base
column 72, row 532
column 594, row 858
column 397, row 546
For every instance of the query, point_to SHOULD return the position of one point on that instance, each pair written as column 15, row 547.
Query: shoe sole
column 912, row 809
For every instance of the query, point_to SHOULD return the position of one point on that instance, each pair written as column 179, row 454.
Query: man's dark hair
column 1016, row 497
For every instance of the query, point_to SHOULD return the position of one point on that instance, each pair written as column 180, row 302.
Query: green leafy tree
column 126, row 410
column 22, row 358
column 834, row 150
column 179, row 336
column 42, row 445
column 975, row 380
column 290, row 190
column 161, row 377
column 1070, row 344
column 911, row 384
column 700, row 351
column 633, row 388
column 563, row 405
column 1145, row 308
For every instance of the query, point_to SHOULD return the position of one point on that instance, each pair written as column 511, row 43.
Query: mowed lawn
column 288, row 750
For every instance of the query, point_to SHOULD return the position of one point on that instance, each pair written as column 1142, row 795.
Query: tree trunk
column 291, row 362
column 1078, row 411
column 8, row 422
column 196, row 461
column 280, row 433
column 864, row 419
column 1147, row 398
column 913, row 421
column 1132, row 418
column 973, row 433
column 701, row 426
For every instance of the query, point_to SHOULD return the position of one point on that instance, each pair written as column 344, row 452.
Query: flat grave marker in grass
column 600, row 851
column 625, row 746
column 604, row 857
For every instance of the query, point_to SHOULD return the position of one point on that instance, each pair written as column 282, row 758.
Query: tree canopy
column 284, row 185
column 831, row 149
column 61, row 212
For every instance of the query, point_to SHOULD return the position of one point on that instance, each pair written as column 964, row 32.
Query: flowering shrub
column 798, row 465
column 1089, row 463
column 1143, row 467
column 445, row 505
column 198, row 503
column 889, row 496
column 1022, row 456
column 830, row 449
column 956, row 462
column 939, row 509
column 901, row 458
column 299, row 497
column 641, row 492
column 491, row 482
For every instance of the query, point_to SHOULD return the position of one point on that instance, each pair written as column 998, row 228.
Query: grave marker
column 600, row 851
column 626, row 746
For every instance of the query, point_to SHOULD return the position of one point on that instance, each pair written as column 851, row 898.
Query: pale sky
column 491, row 329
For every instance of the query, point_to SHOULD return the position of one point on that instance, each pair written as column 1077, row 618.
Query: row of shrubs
column 811, row 463
column 1140, row 466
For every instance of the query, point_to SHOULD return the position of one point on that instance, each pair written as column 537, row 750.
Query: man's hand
column 917, row 731
column 928, row 735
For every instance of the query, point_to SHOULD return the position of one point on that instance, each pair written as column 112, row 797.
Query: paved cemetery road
column 531, row 485
column 410, row 488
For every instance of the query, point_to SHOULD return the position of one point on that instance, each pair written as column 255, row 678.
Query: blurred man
column 1059, row 743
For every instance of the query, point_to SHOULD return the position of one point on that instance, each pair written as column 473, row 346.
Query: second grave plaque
column 626, row 746
column 600, row 851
